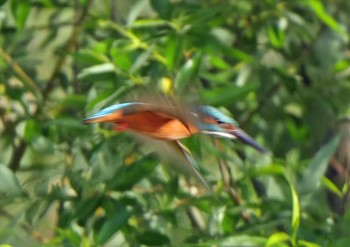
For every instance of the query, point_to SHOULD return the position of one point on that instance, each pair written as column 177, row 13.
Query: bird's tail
column 109, row 114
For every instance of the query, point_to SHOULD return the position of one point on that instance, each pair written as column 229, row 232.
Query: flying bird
column 172, row 123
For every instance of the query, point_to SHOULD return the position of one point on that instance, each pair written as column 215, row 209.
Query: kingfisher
column 172, row 123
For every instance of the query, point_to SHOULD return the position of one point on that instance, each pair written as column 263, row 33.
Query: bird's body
column 145, row 118
column 170, row 123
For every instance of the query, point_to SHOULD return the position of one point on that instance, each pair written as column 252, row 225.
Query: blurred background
column 280, row 68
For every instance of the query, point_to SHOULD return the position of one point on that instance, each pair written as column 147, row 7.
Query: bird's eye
column 220, row 122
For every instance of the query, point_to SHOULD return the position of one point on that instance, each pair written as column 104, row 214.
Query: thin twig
column 72, row 41
column 229, row 184
column 26, row 79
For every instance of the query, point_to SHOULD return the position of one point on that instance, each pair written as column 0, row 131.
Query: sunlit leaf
column 268, row 170
column 276, row 36
column 219, row 62
column 296, row 213
column 149, row 23
column 278, row 239
column 31, row 130
column 303, row 243
column 20, row 10
column 97, row 70
column 320, row 11
column 329, row 184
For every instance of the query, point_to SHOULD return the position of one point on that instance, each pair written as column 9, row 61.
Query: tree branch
column 27, row 81
column 72, row 41
column 229, row 184
column 71, row 44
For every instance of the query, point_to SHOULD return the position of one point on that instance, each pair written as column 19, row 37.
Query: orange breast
column 157, row 125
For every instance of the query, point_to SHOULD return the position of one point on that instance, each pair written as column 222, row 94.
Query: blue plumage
column 216, row 114
column 124, row 107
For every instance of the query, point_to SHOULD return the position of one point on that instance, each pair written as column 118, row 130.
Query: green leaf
column 15, row 93
column 228, row 94
column 173, row 50
column 83, row 2
column 187, row 73
column 136, row 10
column 153, row 238
column 32, row 211
column 227, row 223
column 276, row 36
column 2, row 2
column 219, row 63
column 141, row 60
column 268, row 170
column 318, row 166
column 85, row 57
column 149, row 23
column 122, row 59
column 74, row 101
column 112, row 224
column 303, row 243
column 70, row 124
column 129, row 175
column 97, row 70
column 329, row 184
column 20, row 10
column 9, row 184
column 43, row 145
column 32, row 130
column 85, row 208
column 278, row 239
column 164, row 8
column 239, row 55
column 296, row 211
column 243, row 240
column 318, row 8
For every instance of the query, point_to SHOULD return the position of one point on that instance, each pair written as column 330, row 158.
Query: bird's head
column 214, row 122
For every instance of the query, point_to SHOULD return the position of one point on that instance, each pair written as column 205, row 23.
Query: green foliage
column 280, row 68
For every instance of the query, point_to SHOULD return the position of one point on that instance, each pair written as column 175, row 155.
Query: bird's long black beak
column 245, row 138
